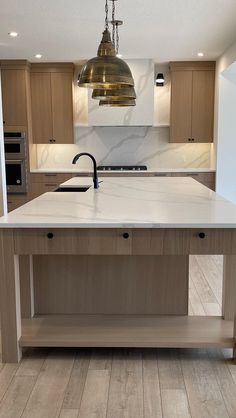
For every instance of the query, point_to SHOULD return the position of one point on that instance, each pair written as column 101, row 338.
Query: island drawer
column 183, row 241
column 50, row 177
column 73, row 241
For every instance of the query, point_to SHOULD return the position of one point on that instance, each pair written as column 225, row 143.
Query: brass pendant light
column 115, row 97
column 117, row 103
column 114, row 94
column 106, row 71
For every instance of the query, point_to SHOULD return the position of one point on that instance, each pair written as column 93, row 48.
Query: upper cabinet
column 52, row 103
column 192, row 101
column 14, row 93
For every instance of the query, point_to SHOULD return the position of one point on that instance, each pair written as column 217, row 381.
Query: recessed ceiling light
column 13, row 34
column 200, row 54
column 38, row 56
column 119, row 55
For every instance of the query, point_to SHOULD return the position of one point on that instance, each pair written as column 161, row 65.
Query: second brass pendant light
column 108, row 75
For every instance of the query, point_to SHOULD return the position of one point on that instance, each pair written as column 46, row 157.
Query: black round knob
column 125, row 235
column 189, row 139
column 50, row 235
column 202, row 235
column 4, row 122
column 192, row 139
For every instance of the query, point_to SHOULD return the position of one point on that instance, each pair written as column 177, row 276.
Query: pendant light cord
column 106, row 16
column 117, row 39
column 113, row 23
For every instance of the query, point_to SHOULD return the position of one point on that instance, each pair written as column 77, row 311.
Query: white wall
column 3, row 200
column 225, row 124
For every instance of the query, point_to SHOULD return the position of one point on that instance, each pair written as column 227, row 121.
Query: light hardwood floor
column 128, row 383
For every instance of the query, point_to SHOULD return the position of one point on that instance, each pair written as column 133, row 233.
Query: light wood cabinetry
column 52, row 103
column 192, row 101
column 41, row 107
column 42, row 183
column 14, row 96
column 207, row 179
column 14, row 201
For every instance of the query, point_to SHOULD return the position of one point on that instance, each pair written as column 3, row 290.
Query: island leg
column 229, row 293
column 229, row 287
column 9, row 299
column 26, row 286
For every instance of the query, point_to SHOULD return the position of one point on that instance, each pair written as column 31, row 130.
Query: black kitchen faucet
column 95, row 174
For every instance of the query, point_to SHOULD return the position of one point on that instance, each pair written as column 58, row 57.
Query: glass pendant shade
column 106, row 71
column 114, row 94
column 117, row 103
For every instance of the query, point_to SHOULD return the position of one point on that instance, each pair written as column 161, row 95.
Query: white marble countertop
column 158, row 170
column 143, row 202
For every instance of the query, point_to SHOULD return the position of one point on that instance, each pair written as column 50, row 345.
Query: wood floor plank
column 16, row 397
column 32, row 362
column 203, row 391
column 170, row 371
column 95, row 395
column 202, row 287
column 228, row 354
column 101, row 359
column 218, row 261
column 75, row 387
column 7, row 373
column 175, row 403
column 69, row 413
column 225, row 380
column 190, row 308
column 126, row 388
column 211, row 274
column 213, row 309
column 195, row 301
column 47, row 396
column 151, row 386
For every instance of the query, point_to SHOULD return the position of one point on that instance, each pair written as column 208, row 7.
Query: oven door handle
column 21, row 160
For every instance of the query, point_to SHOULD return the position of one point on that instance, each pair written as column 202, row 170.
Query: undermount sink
column 72, row 189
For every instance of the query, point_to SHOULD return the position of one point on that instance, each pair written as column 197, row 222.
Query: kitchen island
column 109, row 267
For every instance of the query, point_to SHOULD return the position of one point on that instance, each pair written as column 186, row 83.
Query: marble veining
column 126, row 145
column 127, row 203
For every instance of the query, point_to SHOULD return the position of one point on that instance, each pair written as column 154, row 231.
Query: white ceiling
column 69, row 30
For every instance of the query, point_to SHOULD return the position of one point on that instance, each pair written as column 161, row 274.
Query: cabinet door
column 41, row 103
column 14, row 97
column 203, row 106
column 62, row 107
column 181, row 106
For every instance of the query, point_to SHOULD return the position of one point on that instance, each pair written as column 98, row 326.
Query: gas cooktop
column 122, row 167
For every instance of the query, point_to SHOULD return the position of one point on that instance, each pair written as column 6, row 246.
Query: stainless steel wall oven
column 15, row 159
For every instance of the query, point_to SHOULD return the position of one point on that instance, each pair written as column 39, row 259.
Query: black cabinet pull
column 4, row 122
column 192, row 139
column 189, row 139
column 125, row 235
column 202, row 235
column 50, row 235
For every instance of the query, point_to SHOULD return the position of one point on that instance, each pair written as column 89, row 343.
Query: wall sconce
column 160, row 80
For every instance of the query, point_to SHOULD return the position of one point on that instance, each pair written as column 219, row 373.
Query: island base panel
column 75, row 284
column 127, row 331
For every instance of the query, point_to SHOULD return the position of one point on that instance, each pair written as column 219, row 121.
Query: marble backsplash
column 127, row 146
